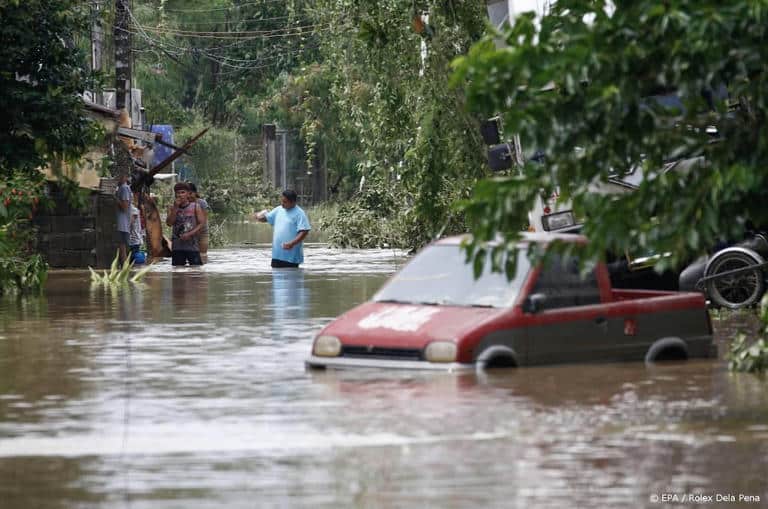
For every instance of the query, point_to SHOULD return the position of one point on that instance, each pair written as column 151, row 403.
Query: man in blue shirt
column 291, row 226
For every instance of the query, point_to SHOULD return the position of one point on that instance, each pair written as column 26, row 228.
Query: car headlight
column 440, row 351
column 327, row 346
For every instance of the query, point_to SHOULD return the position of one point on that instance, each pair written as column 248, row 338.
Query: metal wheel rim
column 738, row 288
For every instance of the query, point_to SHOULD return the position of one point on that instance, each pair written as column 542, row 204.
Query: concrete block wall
column 71, row 238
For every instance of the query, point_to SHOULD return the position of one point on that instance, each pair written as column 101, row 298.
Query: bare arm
column 170, row 220
column 202, row 219
column 261, row 216
column 299, row 238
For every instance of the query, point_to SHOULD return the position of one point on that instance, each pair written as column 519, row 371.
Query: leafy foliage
column 751, row 356
column 374, row 109
column 41, row 74
column 357, row 227
column 202, row 55
column 225, row 166
column 349, row 76
column 369, row 221
column 577, row 84
column 26, row 275
column 118, row 275
column 21, row 194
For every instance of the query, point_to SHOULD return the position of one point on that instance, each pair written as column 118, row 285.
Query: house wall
column 71, row 238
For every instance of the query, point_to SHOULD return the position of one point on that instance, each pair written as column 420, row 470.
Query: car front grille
column 377, row 352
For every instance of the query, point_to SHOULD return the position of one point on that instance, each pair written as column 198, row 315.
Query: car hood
column 406, row 325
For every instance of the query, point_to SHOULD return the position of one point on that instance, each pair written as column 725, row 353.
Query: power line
column 219, row 9
column 226, row 37
column 175, row 52
column 236, row 21
column 287, row 31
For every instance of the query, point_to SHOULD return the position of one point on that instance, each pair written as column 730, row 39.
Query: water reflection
column 185, row 295
column 290, row 299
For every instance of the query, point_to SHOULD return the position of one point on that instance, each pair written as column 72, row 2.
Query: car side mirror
column 534, row 303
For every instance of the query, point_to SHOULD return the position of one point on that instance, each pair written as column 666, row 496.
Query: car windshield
column 439, row 275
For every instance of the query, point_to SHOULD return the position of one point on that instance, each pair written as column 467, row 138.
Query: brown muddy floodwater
column 191, row 392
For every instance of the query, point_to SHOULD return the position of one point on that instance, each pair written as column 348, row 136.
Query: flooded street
column 190, row 392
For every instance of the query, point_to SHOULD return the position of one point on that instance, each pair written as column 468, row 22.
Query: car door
column 571, row 324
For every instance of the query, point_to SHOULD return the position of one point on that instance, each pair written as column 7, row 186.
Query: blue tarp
column 161, row 151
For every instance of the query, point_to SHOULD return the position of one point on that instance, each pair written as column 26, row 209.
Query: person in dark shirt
column 187, row 220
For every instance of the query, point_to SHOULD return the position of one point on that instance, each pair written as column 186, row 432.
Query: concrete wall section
column 71, row 238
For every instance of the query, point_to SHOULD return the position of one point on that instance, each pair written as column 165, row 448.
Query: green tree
column 202, row 55
column 605, row 59
column 42, row 73
column 375, row 107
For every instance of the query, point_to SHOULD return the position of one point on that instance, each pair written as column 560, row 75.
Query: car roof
column 525, row 238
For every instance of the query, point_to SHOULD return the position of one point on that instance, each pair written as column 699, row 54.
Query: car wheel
column 737, row 290
column 497, row 356
column 667, row 349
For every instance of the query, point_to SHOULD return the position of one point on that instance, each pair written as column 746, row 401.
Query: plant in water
column 22, row 275
column 751, row 356
column 747, row 356
column 117, row 275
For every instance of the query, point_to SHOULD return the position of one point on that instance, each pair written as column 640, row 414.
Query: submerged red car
column 433, row 314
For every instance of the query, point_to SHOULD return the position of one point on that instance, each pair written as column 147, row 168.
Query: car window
column 562, row 283
column 440, row 275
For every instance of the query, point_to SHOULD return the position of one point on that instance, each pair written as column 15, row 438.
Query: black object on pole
column 500, row 157
column 270, row 131
column 490, row 131
column 123, row 56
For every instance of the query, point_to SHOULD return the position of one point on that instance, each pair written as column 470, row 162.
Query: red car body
column 545, row 314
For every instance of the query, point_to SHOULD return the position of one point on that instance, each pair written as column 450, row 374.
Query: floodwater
column 190, row 392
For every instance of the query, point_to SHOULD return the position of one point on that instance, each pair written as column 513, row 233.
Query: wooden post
column 269, row 134
column 122, row 55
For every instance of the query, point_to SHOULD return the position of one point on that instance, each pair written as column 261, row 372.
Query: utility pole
column 97, row 45
column 122, row 55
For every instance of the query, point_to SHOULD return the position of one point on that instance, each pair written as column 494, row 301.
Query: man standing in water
column 291, row 226
column 202, row 239
column 186, row 219
column 123, row 197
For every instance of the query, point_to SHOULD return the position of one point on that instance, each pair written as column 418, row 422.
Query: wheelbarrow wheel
column 736, row 290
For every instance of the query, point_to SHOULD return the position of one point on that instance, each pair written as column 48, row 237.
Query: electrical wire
column 250, row 35
column 244, row 20
column 176, row 52
column 234, row 64
column 219, row 9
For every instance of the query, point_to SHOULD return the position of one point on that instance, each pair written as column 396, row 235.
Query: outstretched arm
column 261, row 216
